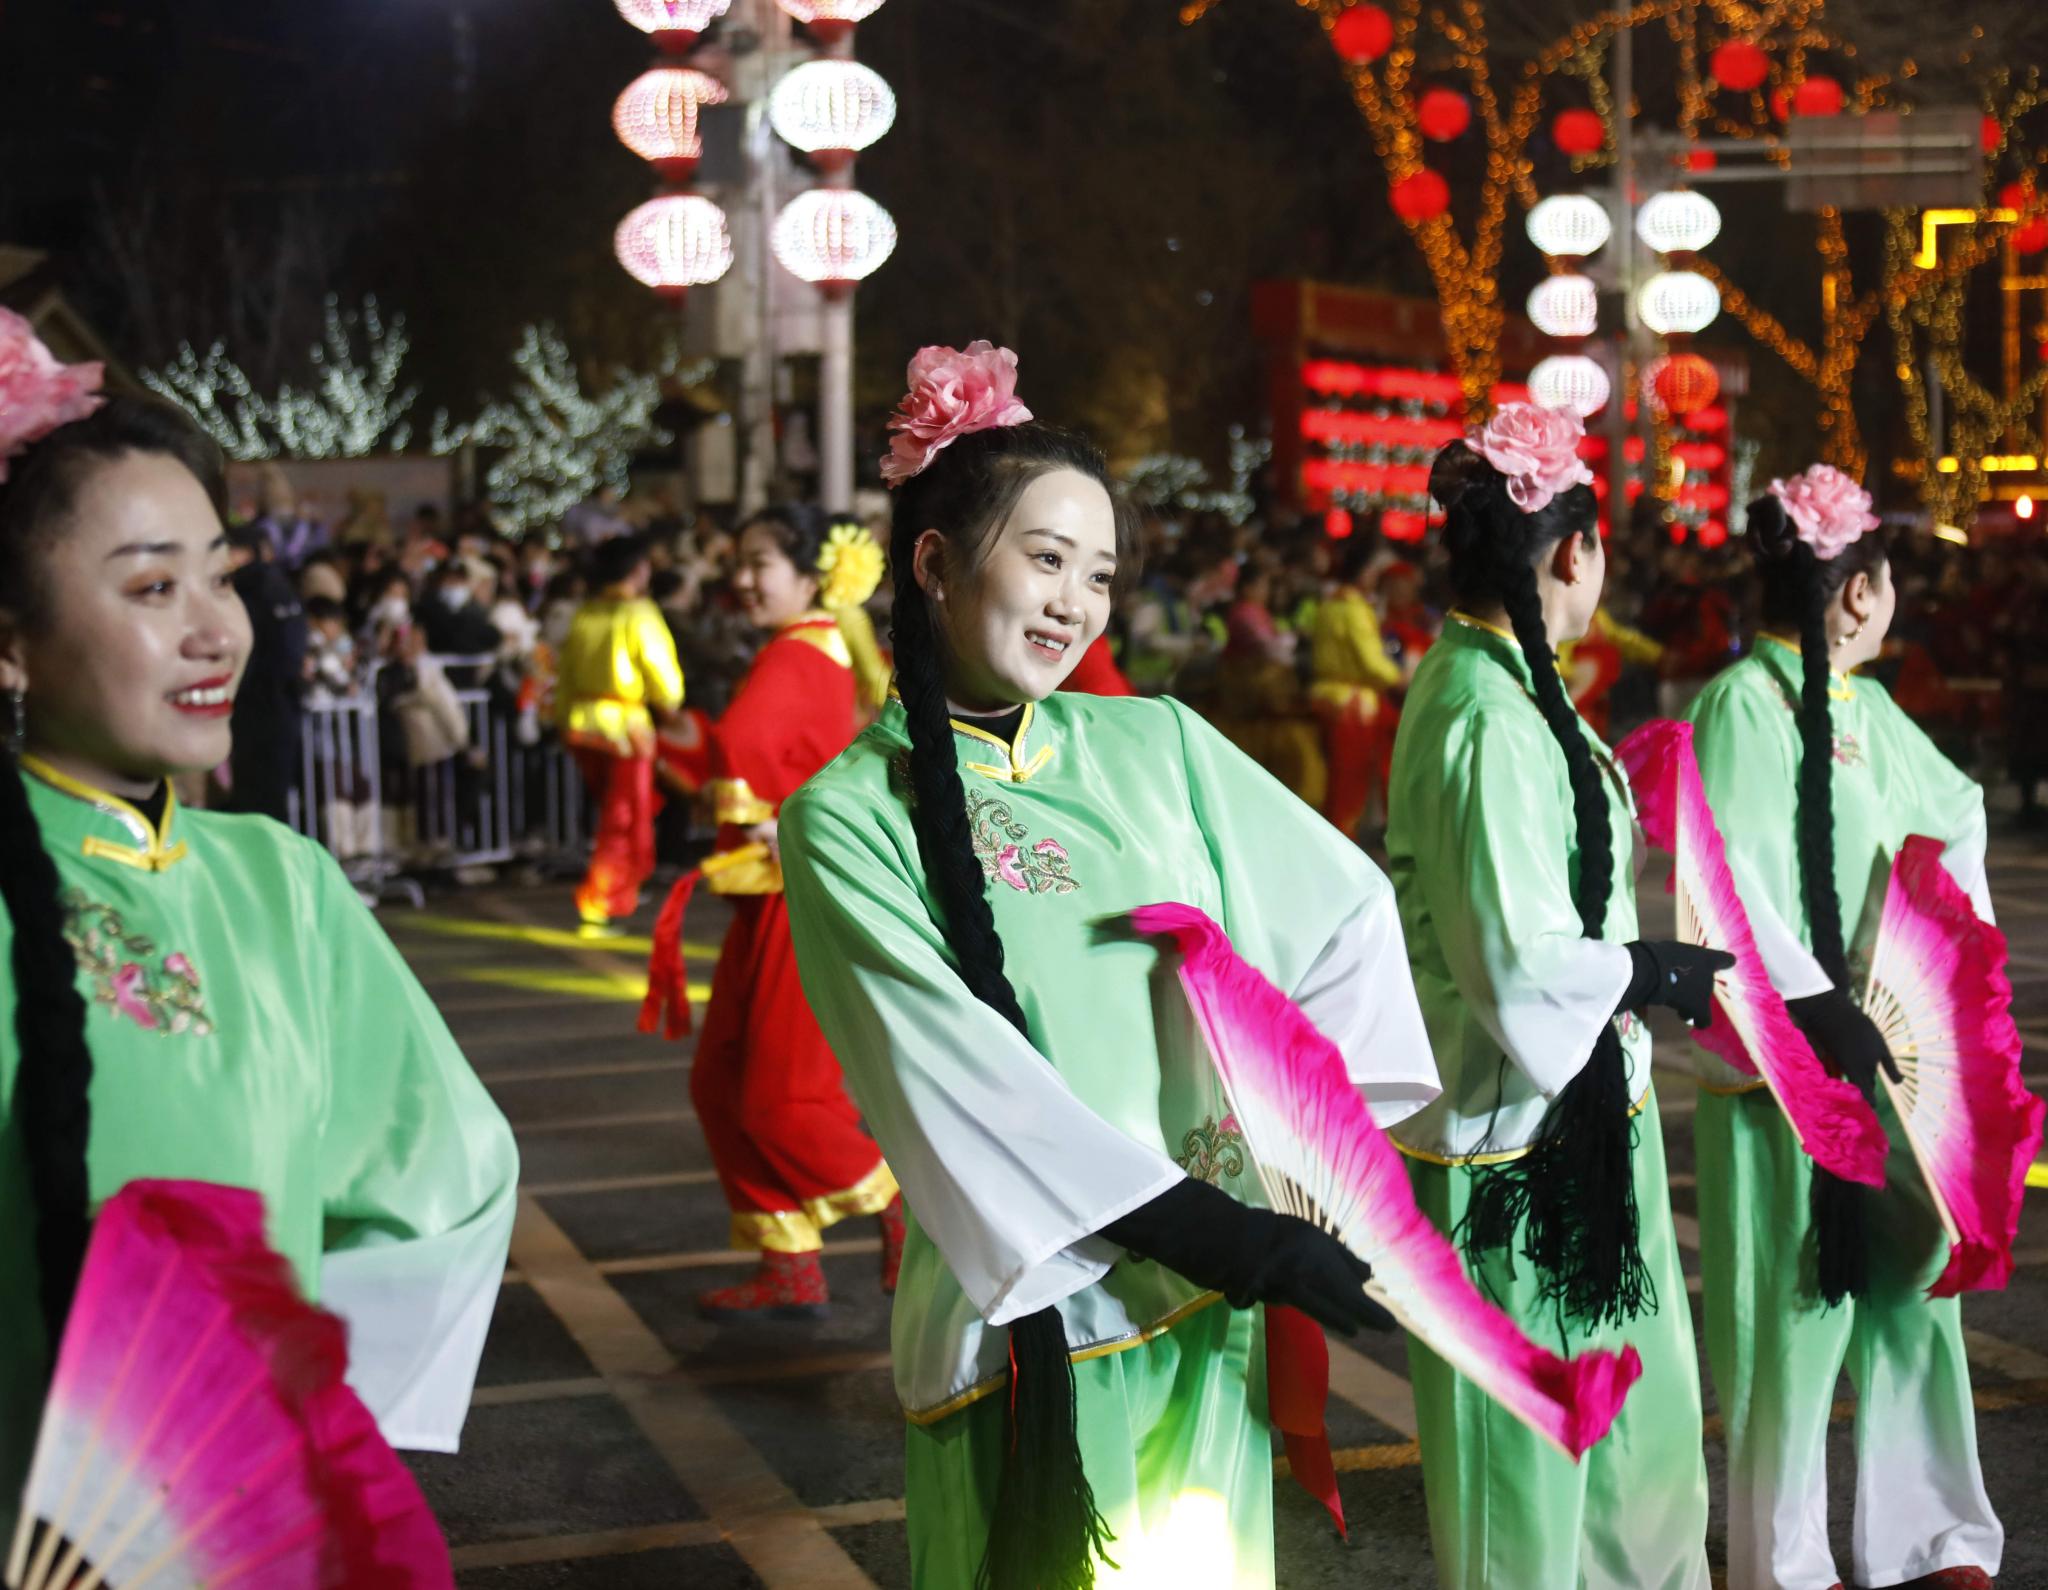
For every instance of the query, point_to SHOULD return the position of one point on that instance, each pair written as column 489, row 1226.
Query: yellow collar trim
column 152, row 853
column 820, row 630
column 1839, row 688
column 1507, row 635
column 1014, row 768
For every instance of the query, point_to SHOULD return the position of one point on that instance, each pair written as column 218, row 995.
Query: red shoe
column 1964, row 1578
column 892, row 1242
column 785, row 1286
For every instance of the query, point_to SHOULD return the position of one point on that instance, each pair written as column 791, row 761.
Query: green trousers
column 1508, row 1511
column 1776, row 1354
column 1174, row 1439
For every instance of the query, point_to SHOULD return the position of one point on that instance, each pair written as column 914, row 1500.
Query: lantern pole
column 1621, row 208
column 835, row 406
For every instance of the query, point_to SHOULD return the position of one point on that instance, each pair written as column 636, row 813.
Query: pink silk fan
column 1754, row 1032
column 198, row 1431
column 1939, row 994
column 1320, row 1156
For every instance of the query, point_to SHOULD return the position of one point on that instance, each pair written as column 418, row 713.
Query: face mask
column 454, row 597
column 392, row 610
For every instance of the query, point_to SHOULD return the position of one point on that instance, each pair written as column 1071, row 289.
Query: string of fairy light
column 1790, row 44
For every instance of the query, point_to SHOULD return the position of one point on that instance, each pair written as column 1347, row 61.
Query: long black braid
column 51, row 1103
column 1572, row 1194
column 1046, row 1532
column 1798, row 588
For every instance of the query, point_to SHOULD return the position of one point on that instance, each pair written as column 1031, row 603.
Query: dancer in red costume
column 788, row 1144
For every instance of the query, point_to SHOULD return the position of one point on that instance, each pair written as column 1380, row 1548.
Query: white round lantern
column 1680, row 222
column 674, row 243
column 1565, row 306
column 656, row 117
column 1673, row 302
column 828, row 19
column 833, row 237
column 1569, row 225
column 831, row 110
column 672, row 24
column 1571, row 382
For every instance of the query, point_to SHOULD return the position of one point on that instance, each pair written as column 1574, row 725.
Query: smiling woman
column 956, row 879
column 186, row 988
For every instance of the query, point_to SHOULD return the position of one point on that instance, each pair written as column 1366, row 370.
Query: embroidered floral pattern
column 1006, row 853
column 158, row 994
column 1848, row 750
column 1213, row 1150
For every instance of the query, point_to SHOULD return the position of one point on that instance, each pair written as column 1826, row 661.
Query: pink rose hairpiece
column 1828, row 509
column 38, row 394
column 954, row 392
column 1536, row 449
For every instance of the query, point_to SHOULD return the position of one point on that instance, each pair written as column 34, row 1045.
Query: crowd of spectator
column 1223, row 616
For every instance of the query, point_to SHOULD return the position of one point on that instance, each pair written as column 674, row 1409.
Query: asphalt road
column 617, row 1441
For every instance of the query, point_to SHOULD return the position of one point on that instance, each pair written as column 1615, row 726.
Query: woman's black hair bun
column 1771, row 530
column 1457, row 470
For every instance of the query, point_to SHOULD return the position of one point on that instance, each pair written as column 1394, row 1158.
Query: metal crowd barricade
column 496, row 800
column 338, row 798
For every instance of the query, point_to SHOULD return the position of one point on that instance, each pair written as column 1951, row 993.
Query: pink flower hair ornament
column 1828, row 509
column 38, row 394
column 954, row 392
column 1536, row 449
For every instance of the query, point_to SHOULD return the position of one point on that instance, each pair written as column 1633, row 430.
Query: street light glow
column 1569, row 225
column 833, row 237
column 831, row 107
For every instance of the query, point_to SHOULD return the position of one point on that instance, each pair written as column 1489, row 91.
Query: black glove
column 1252, row 1255
column 1837, row 1027
column 1680, row 976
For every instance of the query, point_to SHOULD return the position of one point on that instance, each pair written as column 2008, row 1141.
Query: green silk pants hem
column 1175, row 1441
column 1508, row 1511
column 1776, row 1356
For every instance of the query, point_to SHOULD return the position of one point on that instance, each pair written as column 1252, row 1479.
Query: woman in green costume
column 191, row 995
column 1816, row 778
column 1509, row 843
column 1074, row 1348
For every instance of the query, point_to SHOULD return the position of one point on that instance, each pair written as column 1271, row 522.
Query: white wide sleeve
column 1360, row 996
column 1008, row 1171
column 419, row 1179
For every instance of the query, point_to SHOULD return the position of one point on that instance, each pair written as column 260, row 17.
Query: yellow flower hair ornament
column 850, row 566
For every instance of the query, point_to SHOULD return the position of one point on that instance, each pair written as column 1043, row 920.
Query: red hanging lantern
column 2031, row 235
column 1739, row 66
column 1680, row 383
column 1421, row 197
column 1817, row 96
column 1991, row 133
column 1337, row 523
column 1701, row 160
column 1443, row 114
column 1363, row 33
column 1713, row 534
column 1579, row 132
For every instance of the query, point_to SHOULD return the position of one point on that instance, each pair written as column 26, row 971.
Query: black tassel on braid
column 1572, row 1195
column 53, row 1082
column 1046, row 1532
